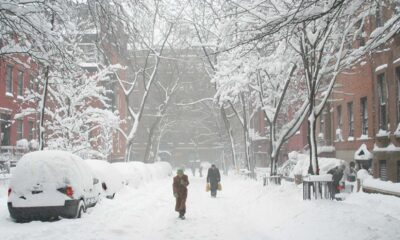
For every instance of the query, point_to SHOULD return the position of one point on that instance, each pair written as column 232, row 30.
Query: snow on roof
column 362, row 153
column 381, row 67
column 389, row 148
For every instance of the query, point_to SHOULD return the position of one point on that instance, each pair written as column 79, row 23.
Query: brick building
column 363, row 113
column 17, row 75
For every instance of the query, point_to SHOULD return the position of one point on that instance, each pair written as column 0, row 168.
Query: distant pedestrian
column 201, row 170
column 193, row 168
column 214, row 179
column 179, row 186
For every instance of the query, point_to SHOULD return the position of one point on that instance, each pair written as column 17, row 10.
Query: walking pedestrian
column 214, row 179
column 179, row 186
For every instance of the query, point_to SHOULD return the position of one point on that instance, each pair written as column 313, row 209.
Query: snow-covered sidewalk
column 243, row 210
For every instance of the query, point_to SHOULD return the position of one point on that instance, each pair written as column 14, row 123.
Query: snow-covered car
column 51, row 184
column 110, row 179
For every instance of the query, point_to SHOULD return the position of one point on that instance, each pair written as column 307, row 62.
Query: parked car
column 110, row 179
column 51, row 184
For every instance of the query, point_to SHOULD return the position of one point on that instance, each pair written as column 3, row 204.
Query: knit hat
column 179, row 171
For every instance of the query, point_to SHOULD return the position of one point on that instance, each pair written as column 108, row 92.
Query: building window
column 5, row 129
column 20, row 127
column 32, row 83
column 339, row 136
column 382, row 91
column 321, row 124
column 382, row 170
column 20, row 87
column 364, row 116
column 31, row 130
column 339, row 117
column 351, row 118
column 9, row 79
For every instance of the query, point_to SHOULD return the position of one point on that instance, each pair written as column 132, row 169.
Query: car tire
column 80, row 210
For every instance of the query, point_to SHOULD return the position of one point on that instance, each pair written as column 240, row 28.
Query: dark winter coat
column 337, row 175
column 213, row 177
column 180, row 189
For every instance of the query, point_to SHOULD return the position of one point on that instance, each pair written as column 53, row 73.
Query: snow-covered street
column 243, row 210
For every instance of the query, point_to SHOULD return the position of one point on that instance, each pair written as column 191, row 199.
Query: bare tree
column 145, row 32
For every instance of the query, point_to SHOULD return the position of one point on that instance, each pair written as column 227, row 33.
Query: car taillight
column 69, row 191
column 9, row 191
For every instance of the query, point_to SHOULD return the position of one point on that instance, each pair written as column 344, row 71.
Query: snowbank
column 386, row 186
column 303, row 163
column 138, row 173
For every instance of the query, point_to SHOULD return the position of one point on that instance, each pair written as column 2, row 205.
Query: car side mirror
column 95, row 181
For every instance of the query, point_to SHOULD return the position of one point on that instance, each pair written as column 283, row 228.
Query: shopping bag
column 208, row 187
column 219, row 187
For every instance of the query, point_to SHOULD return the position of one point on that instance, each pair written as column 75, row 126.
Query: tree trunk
column 150, row 140
column 230, row 135
column 312, row 143
column 43, row 109
column 246, row 136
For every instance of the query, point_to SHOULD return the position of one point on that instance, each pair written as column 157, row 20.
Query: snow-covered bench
column 318, row 187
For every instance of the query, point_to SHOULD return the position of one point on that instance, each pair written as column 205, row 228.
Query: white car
column 110, row 179
column 50, row 184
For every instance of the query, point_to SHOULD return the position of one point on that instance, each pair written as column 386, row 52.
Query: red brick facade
column 11, row 98
column 365, row 101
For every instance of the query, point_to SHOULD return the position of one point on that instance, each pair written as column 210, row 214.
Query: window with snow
column 20, row 133
column 351, row 118
column 339, row 120
column 33, row 86
column 382, row 92
column 31, row 129
column 321, row 126
column 20, row 86
column 364, row 116
column 5, row 133
column 9, row 79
